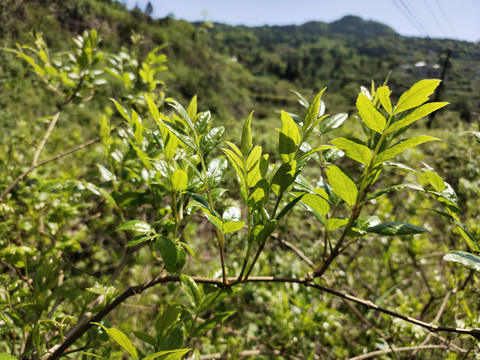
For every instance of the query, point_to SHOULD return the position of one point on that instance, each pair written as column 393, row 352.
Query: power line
column 435, row 18
column 446, row 19
column 407, row 14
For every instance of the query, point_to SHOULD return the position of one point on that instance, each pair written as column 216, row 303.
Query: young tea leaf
column 401, row 146
column 416, row 95
column 289, row 138
column 371, row 117
column 353, row 149
column 211, row 139
column 192, row 290
column 342, row 184
column 167, row 248
column 416, row 115
column 383, row 94
column 246, row 143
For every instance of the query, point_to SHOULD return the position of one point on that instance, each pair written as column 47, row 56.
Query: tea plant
column 163, row 178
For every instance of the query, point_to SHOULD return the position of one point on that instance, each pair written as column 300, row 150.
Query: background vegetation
column 77, row 165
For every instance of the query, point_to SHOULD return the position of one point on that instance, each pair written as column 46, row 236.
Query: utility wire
column 447, row 21
column 407, row 16
column 414, row 16
column 435, row 18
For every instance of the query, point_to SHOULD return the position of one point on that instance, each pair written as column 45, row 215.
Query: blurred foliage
column 152, row 191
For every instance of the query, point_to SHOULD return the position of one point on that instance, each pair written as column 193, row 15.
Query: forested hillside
column 171, row 190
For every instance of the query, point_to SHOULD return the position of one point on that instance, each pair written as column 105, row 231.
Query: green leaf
column 192, row 108
column 466, row 259
column 383, row 94
column 396, row 228
column 464, row 233
column 181, row 135
column 237, row 164
column 167, row 248
column 288, row 207
column 216, row 170
column 179, row 180
column 232, row 226
column 284, row 177
column 138, row 134
column 266, row 231
column 336, row 223
column 121, row 339
column 333, row 122
column 121, row 110
column 416, row 95
column 289, row 138
column 183, row 113
column 167, row 355
column 371, row 117
column 138, row 240
column 259, row 194
column 136, row 225
column 203, row 119
column 342, row 184
column 191, row 289
column 246, row 143
column 416, row 114
column 168, row 318
column 393, row 188
column 212, row 322
column 4, row 356
column 312, row 113
column 317, row 203
column 354, row 149
column 401, row 146
column 152, row 107
column 147, row 338
column 211, row 139
column 434, row 179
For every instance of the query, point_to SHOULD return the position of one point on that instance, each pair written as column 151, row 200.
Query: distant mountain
column 354, row 25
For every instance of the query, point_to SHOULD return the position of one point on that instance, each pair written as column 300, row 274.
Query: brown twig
column 406, row 348
column 58, row 350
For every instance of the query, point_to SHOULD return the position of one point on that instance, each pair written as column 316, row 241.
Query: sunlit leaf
column 333, row 122
column 246, row 142
column 342, row 184
column 289, row 137
column 353, row 149
column 167, row 355
column 371, row 117
column 416, row 114
column 179, row 180
column 135, row 225
column 403, row 145
column 211, row 139
column 416, row 95
column 466, row 259
column 383, row 94
column 121, row 339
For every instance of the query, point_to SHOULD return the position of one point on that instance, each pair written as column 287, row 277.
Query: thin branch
column 296, row 250
column 35, row 166
column 241, row 354
column 406, row 348
column 58, row 350
column 45, row 137
column 437, row 319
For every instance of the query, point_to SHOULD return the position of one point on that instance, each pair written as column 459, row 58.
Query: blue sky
column 455, row 19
